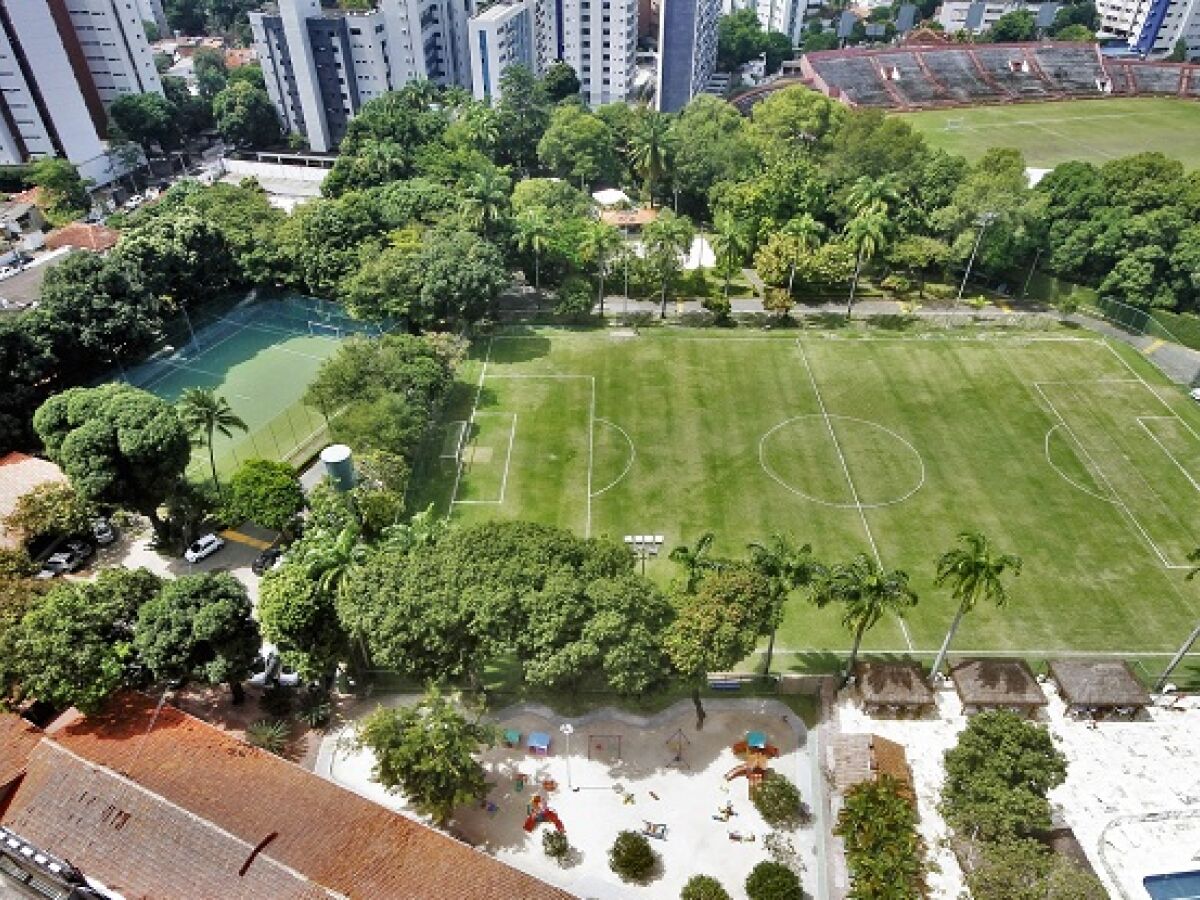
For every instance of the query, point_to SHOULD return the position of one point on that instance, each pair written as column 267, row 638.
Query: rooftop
column 17, row 740
column 893, row 684
column 996, row 682
column 1098, row 683
column 96, row 238
column 20, row 474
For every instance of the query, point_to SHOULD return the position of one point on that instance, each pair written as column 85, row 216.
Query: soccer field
column 1052, row 133
column 1066, row 450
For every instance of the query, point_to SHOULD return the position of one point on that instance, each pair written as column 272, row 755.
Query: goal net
column 321, row 329
column 452, row 442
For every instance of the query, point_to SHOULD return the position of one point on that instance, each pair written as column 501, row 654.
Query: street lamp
column 983, row 222
column 567, row 730
column 644, row 546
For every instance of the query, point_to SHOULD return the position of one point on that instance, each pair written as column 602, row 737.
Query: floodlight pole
column 567, row 730
column 984, row 221
column 1177, row 659
column 1028, row 278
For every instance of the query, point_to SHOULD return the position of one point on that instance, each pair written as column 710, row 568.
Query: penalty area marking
column 628, row 463
column 1067, row 478
column 512, row 433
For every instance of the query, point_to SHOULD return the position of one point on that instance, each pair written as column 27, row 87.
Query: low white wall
column 273, row 171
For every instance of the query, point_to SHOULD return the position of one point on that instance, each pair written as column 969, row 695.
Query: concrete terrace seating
column 998, row 61
column 1074, row 68
column 956, row 71
column 1156, row 78
column 906, row 76
column 855, row 76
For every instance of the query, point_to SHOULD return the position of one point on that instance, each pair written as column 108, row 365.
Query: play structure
column 538, row 812
column 755, row 753
column 677, row 742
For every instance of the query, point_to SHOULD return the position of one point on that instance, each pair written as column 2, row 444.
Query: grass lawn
column 1051, row 133
column 1068, row 451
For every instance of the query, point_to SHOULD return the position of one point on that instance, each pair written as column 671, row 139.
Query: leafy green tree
column 558, row 198
column 794, row 116
column 300, row 618
column 182, row 259
column 739, row 39
column 200, row 627
column 650, row 148
column 522, row 116
column 974, row 570
column 48, row 509
column 866, row 233
column 1018, row 25
column 210, row 71
column 998, row 776
column 787, row 567
column 800, row 236
column 598, row 246
column 388, row 283
column 778, row 48
column 696, row 560
column 560, row 82
column 667, row 241
column 718, row 626
column 866, row 591
column 712, row 144
column 578, row 146
column 147, row 119
column 117, row 445
column 265, row 492
column 193, row 114
column 63, row 190
column 464, row 275
column 429, row 752
column 884, row 851
column 777, row 800
column 245, row 116
column 773, row 881
column 533, row 233
column 485, row 203
column 632, row 857
column 1079, row 34
column 1179, row 52
column 731, row 244
column 205, row 414
column 919, row 255
column 1026, row 870
column 703, row 887
column 17, row 594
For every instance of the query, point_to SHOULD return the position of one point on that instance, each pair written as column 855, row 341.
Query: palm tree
column 866, row 232
column 649, row 148
column 486, row 200
column 731, row 244
column 973, row 570
column 480, row 123
column 600, row 241
column 787, row 567
column 866, row 592
column 204, row 414
column 805, row 235
column 878, row 194
column 695, row 559
column 330, row 561
column 666, row 240
column 533, row 233
column 1193, row 557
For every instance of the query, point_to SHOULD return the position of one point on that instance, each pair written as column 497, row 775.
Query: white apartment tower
column 599, row 41
column 62, row 62
column 321, row 66
column 500, row 36
column 785, row 16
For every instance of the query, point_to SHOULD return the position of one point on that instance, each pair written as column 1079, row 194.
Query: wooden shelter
column 997, row 684
column 866, row 757
column 1092, row 686
column 893, row 687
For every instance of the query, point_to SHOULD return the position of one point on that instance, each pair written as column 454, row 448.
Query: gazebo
column 865, row 757
column 997, row 684
column 893, row 687
column 1093, row 687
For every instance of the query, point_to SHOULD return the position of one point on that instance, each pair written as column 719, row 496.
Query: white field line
column 587, row 531
column 862, row 513
column 1086, row 146
column 470, row 423
column 628, row 463
column 1141, row 420
column 512, row 433
column 512, row 436
column 1082, row 654
column 1099, row 470
column 1065, row 477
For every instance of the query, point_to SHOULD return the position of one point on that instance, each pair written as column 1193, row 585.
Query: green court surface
column 1068, row 451
column 260, row 358
column 1051, row 133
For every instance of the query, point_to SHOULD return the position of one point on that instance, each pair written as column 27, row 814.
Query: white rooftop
column 611, row 197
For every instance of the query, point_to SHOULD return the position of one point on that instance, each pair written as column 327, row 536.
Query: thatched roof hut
column 1105, row 684
column 865, row 757
column 893, row 686
column 997, row 684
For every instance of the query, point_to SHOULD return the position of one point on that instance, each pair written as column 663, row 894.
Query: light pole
column 983, row 222
column 644, row 546
column 567, row 730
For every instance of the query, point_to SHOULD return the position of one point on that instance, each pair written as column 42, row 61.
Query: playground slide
column 737, row 771
column 548, row 816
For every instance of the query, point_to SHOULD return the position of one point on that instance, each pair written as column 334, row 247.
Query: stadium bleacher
column 962, row 78
column 852, row 76
column 907, row 76
column 1075, row 68
column 1014, row 72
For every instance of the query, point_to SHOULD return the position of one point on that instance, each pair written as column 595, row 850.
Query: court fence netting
column 297, row 432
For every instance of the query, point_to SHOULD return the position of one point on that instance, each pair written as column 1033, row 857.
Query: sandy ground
column 612, row 791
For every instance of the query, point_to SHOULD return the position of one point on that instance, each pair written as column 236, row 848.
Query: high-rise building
column 785, row 16
column 1152, row 27
column 500, row 36
column 62, row 63
column 321, row 66
column 687, row 50
column 599, row 41
column 152, row 11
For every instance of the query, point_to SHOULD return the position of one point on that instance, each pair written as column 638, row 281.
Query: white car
column 203, row 548
column 1194, row 393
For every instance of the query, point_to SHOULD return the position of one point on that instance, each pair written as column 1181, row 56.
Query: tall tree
column 731, row 243
column 866, row 592
column 975, row 571
column 245, row 116
column 560, row 82
column 667, row 241
column 63, row 190
column 803, row 234
column 523, row 114
column 429, row 751
column 533, row 234
column 787, row 567
column 866, row 234
column 486, row 200
column 650, row 148
column 599, row 242
column 147, row 119
column 695, row 560
column 205, row 414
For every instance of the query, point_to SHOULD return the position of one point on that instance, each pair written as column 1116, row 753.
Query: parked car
column 273, row 670
column 266, row 561
column 103, row 531
column 1194, row 393
column 203, row 548
column 70, row 558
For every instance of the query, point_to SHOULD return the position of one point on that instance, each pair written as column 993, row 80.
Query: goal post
column 453, row 440
column 321, row 329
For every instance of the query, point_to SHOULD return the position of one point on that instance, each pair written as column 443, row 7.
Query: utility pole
column 984, row 221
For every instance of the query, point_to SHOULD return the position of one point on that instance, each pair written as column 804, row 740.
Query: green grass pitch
column 1052, row 133
column 1068, row 451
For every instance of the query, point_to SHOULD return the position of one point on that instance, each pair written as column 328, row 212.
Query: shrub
column 771, row 881
column 556, row 845
column 575, row 298
column 897, row 283
column 703, row 887
column 631, row 856
column 878, row 821
column 268, row 734
column 276, row 700
column 315, row 708
column 778, row 801
column 719, row 307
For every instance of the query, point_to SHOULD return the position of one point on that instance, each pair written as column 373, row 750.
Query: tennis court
column 260, row 356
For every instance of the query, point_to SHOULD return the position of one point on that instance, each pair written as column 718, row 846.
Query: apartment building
column 62, row 63
column 500, row 36
column 321, row 66
column 1152, row 27
column 599, row 41
column 785, row 16
column 687, row 50
column 953, row 15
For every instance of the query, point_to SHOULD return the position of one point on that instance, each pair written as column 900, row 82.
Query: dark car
column 70, row 557
column 266, row 560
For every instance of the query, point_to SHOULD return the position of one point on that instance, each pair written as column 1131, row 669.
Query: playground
column 687, row 790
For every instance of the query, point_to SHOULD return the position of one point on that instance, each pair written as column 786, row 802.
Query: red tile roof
column 17, row 740
column 334, row 837
column 96, row 238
